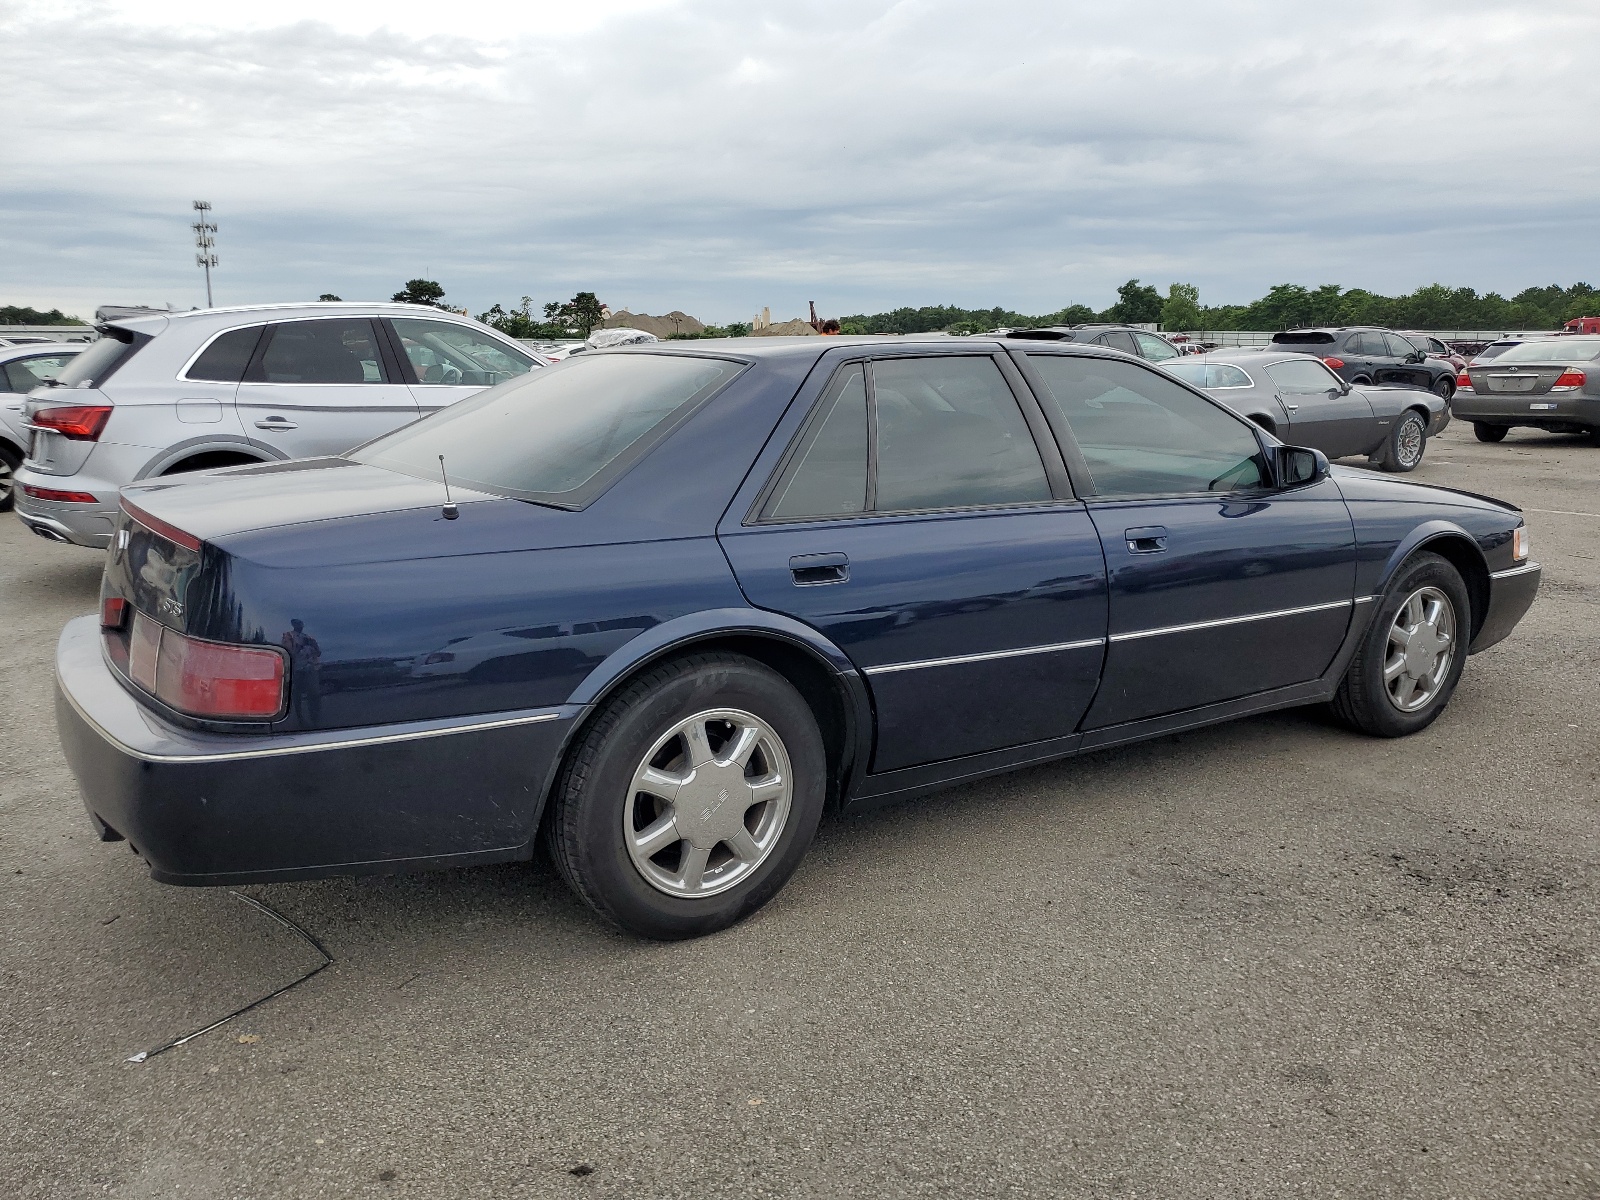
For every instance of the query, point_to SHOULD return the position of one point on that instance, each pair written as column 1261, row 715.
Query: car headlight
column 1519, row 543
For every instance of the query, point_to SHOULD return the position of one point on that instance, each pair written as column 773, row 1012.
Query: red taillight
column 114, row 613
column 1335, row 363
column 1463, row 380
column 81, row 422
column 39, row 493
column 205, row 679
column 156, row 525
column 1570, row 379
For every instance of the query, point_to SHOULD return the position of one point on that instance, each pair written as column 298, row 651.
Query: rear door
column 322, row 386
column 1321, row 414
column 923, row 522
column 446, row 361
column 1221, row 585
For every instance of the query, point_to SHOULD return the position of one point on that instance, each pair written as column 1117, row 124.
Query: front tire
column 1489, row 433
column 10, row 460
column 691, row 798
column 1408, row 664
column 1408, row 441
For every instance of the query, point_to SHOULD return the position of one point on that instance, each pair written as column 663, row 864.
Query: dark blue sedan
column 677, row 602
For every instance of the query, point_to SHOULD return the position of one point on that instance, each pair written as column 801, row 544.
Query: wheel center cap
column 711, row 804
column 1422, row 655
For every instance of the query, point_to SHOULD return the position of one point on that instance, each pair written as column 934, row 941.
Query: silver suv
column 169, row 392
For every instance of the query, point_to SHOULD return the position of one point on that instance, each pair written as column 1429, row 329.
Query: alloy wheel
column 8, row 482
column 708, row 804
column 1422, row 647
column 1408, row 441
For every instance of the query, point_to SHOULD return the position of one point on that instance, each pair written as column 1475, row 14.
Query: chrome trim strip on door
column 958, row 659
column 1509, row 572
column 1266, row 616
column 344, row 743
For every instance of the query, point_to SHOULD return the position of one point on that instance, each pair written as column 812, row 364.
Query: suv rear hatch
column 68, row 414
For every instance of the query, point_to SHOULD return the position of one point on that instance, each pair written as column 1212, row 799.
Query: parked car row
column 680, row 599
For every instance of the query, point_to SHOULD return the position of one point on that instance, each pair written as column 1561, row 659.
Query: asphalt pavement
column 1270, row 958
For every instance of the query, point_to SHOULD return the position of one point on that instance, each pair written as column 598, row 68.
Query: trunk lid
column 1517, row 379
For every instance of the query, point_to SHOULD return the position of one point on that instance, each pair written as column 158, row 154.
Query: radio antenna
column 451, row 512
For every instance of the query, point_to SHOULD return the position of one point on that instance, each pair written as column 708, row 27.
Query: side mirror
column 1300, row 465
column 1416, row 356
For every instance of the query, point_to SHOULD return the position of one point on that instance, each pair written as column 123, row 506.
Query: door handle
column 1147, row 539
column 1287, row 405
column 276, row 424
column 811, row 569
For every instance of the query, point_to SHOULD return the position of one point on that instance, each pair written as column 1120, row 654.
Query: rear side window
column 1118, row 340
column 1303, row 377
column 558, row 436
column 828, row 476
column 1398, row 346
column 102, row 359
column 1210, row 375
column 1154, row 348
column 1494, row 350
column 341, row 350
column 225, row 359
column 929, row 433
column 25, row 374
column 1144, row 435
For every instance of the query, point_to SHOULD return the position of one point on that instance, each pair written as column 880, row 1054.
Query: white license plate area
column 1525, row 384
column 1541, row 407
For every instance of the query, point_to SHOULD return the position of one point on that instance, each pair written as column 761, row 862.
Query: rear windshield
column 96, row 364
column 1494, row 350
column 1556, row 350
column 558, row 436
column 1303, row 337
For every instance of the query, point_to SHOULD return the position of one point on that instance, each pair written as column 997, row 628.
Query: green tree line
column 1285, row 306
column 12, row 314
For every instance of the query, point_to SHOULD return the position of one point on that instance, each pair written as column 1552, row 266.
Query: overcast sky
column 720, row 156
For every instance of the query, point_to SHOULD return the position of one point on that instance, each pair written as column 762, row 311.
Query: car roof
column 815, row 347
column 155, row 320
column 1245, row 354
column 25, row 349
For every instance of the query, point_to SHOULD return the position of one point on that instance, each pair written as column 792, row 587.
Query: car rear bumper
column 230, row 809
column 89, row 525
column 1511, row 594
column 1506, row 409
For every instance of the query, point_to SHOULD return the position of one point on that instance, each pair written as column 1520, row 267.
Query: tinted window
column 25, row 374
column 1143, row 435
column 444, row 352
column 225, row 359
column 1494, row 350
column 342, row 350
column 1303, row 377
column 101, row 360
column 1303, row 337
column 559, row 435
column 828, row 477
column 1118, row 340
column 950, row 435
column 1398, row 346
column 1154, row 348
column 1370, row 344
column 1554, row 350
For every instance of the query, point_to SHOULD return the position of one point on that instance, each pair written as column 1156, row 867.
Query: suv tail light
column 1463, row 380
column 206, row 679
column 1335, row 363
column 1568, row 381
column 80, row 422
column 57, row 496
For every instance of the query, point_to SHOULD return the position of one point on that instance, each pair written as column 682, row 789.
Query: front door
column 1323, row 412
column 1221, row 586
column 917, row 527
column 322, row 386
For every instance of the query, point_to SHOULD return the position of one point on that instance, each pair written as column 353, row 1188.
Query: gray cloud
column 720, row 156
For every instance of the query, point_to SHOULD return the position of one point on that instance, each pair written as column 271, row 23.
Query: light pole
column 203, row 239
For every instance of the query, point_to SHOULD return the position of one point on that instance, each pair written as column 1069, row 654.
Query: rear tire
column 10, row 460
column 662, row 756
column 1361, row 381
column 1489, row 433
column 1374, row 696
column 1408, row 442
column 1444, row 387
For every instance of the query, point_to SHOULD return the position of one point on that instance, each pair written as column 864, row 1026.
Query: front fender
column 1428, row 531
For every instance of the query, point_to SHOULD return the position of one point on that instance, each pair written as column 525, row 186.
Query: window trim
column 264, row 343
column 1077, row 463
column 1057, row 480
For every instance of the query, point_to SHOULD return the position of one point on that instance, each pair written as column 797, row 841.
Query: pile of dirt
column 794, row 328
column 662, row 327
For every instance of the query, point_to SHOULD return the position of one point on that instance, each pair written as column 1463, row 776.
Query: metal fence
column 1251, row 337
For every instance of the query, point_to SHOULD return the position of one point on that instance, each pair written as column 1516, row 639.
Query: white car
column 23, row 367
column 189, row 391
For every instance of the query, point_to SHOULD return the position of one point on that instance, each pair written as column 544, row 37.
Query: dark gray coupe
column 1299, row 400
